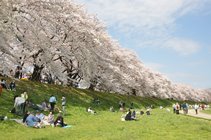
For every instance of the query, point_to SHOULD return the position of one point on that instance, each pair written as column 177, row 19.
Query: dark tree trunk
column 50, row 79
column 92, row 86
column 134, row 92
column 36, row 75
column 93, row 83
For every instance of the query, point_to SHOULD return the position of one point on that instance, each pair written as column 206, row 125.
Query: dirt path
column 191, row 112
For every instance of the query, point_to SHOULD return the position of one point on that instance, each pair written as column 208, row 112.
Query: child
column 63, row 104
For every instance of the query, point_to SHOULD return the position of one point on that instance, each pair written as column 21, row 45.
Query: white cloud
column 182, row 46
column 147, row 22
column 146, row 15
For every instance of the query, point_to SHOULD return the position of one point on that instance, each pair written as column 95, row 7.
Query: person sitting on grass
column 148, row 111
column 40, row 116
column 3, row 83
column 59, row 120
column 111, row 109
column 12, row 86
column 3, row 118
column 48, row 120
column 133, row 115
column 91, row 111
column 44, row 106
column 128, row 116
column 33, row 121
column 141, row 112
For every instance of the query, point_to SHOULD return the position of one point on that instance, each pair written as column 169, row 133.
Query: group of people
column 39, row 120
column 52, row 101
column 177, row 107
column 185, row 107
column 3, row 85
column 131, row 115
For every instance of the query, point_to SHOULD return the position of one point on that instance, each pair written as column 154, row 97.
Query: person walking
column 174, row 108
column 196, row 107
column 177, row 108
column 52, row 102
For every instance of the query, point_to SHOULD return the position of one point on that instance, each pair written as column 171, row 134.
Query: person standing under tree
column 63, row 104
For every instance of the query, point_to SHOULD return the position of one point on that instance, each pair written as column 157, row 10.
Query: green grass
column 104, row 125
column 206, row 111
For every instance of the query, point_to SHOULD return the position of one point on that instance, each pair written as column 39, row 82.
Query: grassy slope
column 104, row 125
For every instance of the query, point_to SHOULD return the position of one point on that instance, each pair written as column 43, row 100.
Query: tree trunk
column 93, row 83
column 36, row 75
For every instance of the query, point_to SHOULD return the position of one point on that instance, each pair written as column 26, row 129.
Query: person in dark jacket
column 59, row 121
column 12, row 85
column 25, row 116
column 128, row 116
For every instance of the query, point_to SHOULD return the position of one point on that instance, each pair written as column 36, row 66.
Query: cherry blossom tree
column 63, row 43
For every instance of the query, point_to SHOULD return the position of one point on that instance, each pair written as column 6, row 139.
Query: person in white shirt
column 91, row 111
column 19, row 105
column 196, row 107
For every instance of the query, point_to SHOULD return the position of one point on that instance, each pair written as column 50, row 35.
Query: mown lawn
column 104, row 125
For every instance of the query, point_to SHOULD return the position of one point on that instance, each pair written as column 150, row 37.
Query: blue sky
column 169, row 36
